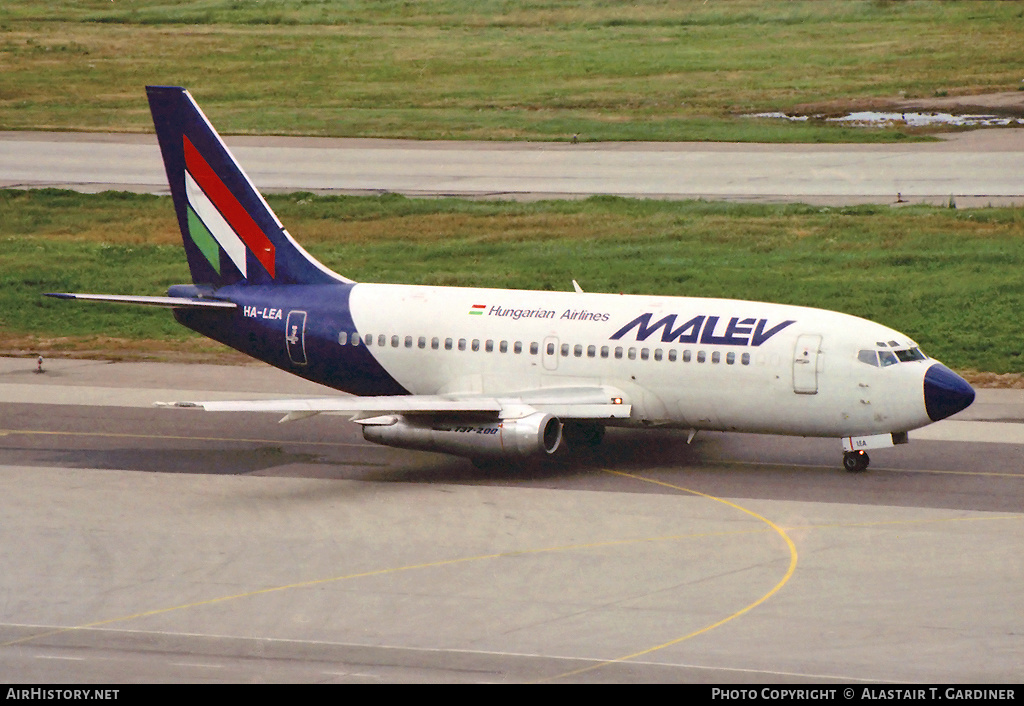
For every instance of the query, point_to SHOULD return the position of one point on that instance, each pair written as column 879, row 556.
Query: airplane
column 507, row 376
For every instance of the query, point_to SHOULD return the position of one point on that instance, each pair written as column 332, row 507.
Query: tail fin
column 231, row 236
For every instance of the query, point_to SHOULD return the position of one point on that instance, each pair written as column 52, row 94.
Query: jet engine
column 538, row 434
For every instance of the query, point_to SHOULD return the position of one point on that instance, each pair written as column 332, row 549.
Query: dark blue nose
column 945, row 392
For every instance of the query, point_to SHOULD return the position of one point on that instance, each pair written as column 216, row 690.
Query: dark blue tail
column 231, row 236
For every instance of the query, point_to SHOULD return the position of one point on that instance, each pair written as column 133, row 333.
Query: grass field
column 518, row 70
column 949, row 278
column 490, row 69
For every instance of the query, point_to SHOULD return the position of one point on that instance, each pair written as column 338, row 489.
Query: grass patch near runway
column 951, row 279
column 498, row 69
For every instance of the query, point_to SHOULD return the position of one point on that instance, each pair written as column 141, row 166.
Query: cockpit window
column 869, row 357
column 887, row 358
column 910, row 354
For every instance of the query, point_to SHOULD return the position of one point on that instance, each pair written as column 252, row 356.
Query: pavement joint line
column 437, row 650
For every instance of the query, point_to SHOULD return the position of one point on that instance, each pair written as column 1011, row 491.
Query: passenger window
column 645, row 353
column 435, row 343
column 604, row 351
column 462, row 344
column 503, row 347
column 716, row 357
column 687, row 356
column 631, row 354
column 657, row 354
column 745, row 359
column 700, row 356
column 673, row 355
column 868, row 357
column 343, row 338
column 577, row 350
column 394, row 341
column 422, row 342
column 382, row 340
column 355, row 339
column 618, row 352
column 551, row 349
column 408, row 341
column 476, row 344
column 591, row 351
column 534, row 348
column 730, row 358
column 517, row 347
column 489, row 346
column 565, row 350
column 369, row 339
column 447, row 344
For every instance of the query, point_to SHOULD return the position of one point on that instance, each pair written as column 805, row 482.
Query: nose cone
column 945, row 392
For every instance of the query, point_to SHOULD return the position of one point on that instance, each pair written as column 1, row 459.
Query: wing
column 597, row 402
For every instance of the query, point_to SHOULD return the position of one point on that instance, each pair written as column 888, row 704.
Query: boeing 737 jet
column 495, row 374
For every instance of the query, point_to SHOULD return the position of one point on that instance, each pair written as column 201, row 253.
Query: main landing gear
column 855, row 461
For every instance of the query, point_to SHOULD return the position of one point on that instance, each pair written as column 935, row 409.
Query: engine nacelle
column 538, row 434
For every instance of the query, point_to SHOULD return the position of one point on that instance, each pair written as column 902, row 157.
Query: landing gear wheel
column 855, row 461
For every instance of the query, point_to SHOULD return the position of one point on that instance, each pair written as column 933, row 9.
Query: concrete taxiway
column 143, row 544
column 976, row 168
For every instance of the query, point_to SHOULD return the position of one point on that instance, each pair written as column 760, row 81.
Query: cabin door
column 805, row 364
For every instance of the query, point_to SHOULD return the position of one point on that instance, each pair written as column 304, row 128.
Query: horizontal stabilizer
column 170, row 302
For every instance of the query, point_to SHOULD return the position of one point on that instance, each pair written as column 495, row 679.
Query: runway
column 977, row 168
column 156, row 545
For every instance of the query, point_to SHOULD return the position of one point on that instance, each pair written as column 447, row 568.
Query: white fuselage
column 685, row 362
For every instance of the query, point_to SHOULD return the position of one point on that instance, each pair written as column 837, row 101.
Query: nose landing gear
column 855, row 461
